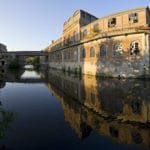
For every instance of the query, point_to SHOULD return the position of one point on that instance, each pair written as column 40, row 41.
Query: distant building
column 115, row 45
column 3, row 58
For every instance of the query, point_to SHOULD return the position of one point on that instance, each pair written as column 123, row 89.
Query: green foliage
column 7, row 117
column 14, row 64
column 35, row 61
column 96, row 30
column 29, row 60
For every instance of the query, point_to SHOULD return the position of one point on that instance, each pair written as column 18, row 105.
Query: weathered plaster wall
column 125, row 66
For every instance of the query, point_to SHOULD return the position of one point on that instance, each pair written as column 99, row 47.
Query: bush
column 14, row 65
column 35, row 61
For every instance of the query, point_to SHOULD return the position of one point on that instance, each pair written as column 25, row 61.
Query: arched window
column 83, row 53
column 84, row 33
column 69, row 38
column 102, row 50
column 96, row 27
column 134, row 48
column 75, row 55
column 75, row 37
column 64, row 42
column 117, row 49
column 92, row 52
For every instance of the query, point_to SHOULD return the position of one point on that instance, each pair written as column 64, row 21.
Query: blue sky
column 33, row 24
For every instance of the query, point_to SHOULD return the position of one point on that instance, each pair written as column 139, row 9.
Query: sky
column 33, row 24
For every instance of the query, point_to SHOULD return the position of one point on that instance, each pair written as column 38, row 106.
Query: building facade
column 3, row 58
column 114, row 45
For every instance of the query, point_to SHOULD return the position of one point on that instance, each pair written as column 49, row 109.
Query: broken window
column 117, row 49
column 134, row 48
column 133, row 18
column 111, row 22
column 84, row 33
column 75, row 37
column 96, row 27
column 102, row 50
column 83, row 53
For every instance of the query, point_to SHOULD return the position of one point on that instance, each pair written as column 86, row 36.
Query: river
column 52, row 111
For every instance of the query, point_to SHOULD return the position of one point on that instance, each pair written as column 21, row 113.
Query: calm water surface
column 51, row 110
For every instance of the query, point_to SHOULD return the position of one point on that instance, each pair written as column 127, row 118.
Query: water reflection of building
column 20, row 76
column 10, row 76
column 116, row 109
column 72, row 109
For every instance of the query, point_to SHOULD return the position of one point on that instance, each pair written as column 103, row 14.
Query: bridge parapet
column 28, row 53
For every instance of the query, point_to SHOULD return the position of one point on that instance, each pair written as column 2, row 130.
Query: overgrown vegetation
column 14, row 64
column 35, row 61
column 6, row 118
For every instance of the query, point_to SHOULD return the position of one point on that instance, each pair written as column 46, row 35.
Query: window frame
column 112, row 22
column 133, row 17
column 96, row 27
column 83, row 53
column 75, row 37
column 100, row 50
column 114, row 50
column 135, row 52
column 84, row 33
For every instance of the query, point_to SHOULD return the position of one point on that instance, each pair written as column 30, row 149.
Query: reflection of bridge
column 27, row 80
column 18, row 77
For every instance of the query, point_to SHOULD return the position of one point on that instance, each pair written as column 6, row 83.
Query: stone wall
column 3, row 59
column 125, row 65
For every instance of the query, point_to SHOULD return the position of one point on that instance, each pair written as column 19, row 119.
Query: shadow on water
column 6, row 117
column 117, row 109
